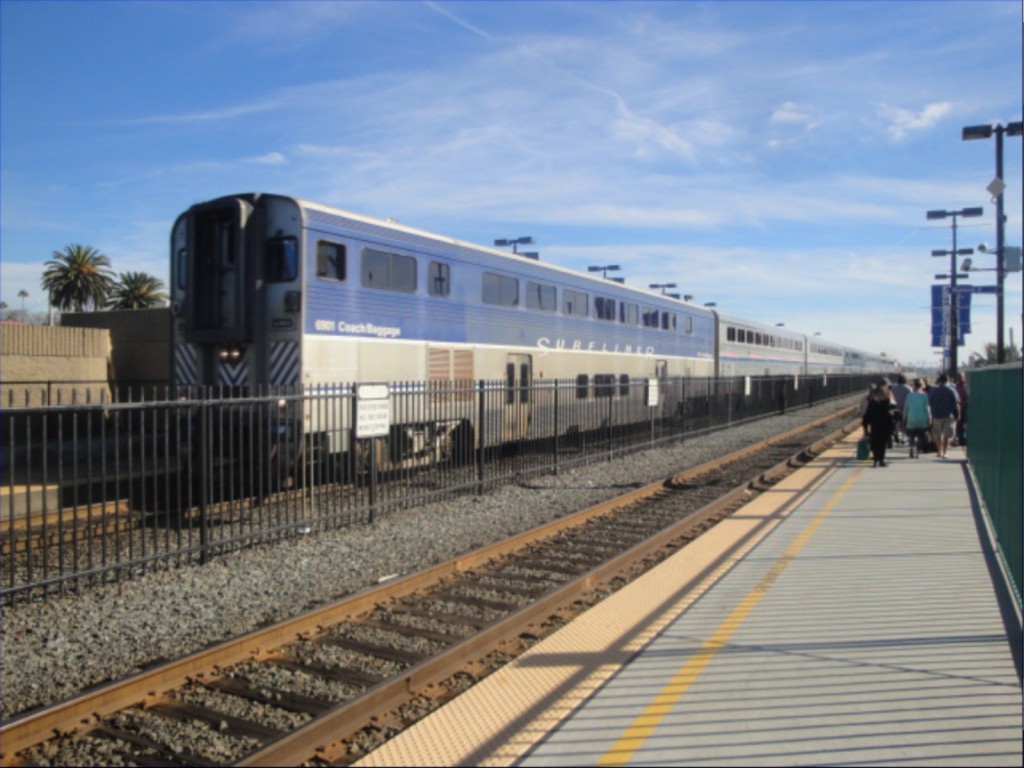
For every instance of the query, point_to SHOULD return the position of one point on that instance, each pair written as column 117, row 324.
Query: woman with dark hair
column 878, row 423
column 917, row 418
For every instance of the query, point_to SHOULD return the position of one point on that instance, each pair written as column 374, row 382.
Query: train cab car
column 748, row 348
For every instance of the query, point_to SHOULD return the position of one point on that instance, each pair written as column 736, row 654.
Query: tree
column 137, row 290
column 78, row 278
column 992, row 353
column 23, row 294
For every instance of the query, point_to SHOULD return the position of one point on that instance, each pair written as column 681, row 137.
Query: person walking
column 900, row 390
column 878, row 424
column 917, row 418
column 961, row 423
column 945, row 405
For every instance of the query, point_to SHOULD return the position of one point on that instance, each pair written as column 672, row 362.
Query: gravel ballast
column 53, row 649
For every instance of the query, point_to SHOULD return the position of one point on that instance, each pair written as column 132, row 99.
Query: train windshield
column 216, row 268
column 282, row 260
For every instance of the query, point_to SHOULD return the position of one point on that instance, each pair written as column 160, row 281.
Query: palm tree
column 78, row 278
column 23, row 294
column 137, row 290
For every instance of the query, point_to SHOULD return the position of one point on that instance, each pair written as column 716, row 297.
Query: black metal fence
column 95, row 492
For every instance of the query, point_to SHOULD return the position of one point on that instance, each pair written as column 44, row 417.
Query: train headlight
column 223, row 353
column 236, row 353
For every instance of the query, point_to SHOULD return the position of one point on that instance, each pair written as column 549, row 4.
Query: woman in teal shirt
column 917, row 417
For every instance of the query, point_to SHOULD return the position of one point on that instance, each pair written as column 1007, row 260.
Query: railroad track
column 332, row 684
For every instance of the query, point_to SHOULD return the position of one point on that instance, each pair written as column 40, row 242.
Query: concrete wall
column 140, row 341
column 42, row 364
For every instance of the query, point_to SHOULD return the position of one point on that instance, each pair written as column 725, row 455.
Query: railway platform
column 851, row 615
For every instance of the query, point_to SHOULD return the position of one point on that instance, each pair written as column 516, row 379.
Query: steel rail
column 321, row 738
column 85, row 711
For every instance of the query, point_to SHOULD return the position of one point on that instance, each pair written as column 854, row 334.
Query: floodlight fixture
column 604, row 270
column 663, row 286
column 514, row 242
column 972, row 132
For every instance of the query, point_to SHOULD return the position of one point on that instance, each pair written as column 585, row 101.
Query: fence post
column 482, row 434
column 373, row 477
column 611, row 415
column 557, row 429
column 650, row 416
column 204, row 477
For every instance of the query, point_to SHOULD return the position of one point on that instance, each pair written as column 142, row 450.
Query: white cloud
column 791, row 113
column 270, row 158
column 903, row 121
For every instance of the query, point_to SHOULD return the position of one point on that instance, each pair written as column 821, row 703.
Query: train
column 270, row 291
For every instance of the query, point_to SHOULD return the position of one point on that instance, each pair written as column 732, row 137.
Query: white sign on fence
column 373, row 410
column 652, row 393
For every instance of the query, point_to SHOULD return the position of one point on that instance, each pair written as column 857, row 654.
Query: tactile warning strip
column 497, row 721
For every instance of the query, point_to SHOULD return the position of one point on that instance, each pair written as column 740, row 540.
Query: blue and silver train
column 268, row 290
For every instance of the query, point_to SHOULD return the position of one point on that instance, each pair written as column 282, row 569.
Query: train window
column 182, row 268
column 500, row 290
column 541, row 297
column 668, row 321
column 438, row 282
column 629, row 313
column 282, row 255
column 510, row 383
column 624, row 385
column 582, row 386
column 650, row 317
column 604, row 385
column 574, row 303
column 689, row 324
column 604, row 309
column 389, row 271
column 730, row 334
column 330, row 260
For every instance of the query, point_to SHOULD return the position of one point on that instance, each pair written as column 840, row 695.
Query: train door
column 661, row 374
column 518, row 381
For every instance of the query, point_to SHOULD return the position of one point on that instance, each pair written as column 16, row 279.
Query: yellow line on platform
column 622, row 751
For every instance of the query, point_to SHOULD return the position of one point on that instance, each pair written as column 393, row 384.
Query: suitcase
column 863, row 449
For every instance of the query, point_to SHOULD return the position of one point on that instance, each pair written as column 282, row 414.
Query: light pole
column 515, row 241
column 997, row 186
column 954, row 299
column 605, row 270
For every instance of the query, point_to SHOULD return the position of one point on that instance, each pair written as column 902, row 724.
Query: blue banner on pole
column 940, row 315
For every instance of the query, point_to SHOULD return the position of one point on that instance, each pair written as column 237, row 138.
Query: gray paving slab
column 865, row 630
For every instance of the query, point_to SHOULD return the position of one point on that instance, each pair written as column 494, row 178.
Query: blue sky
column 776, row 158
